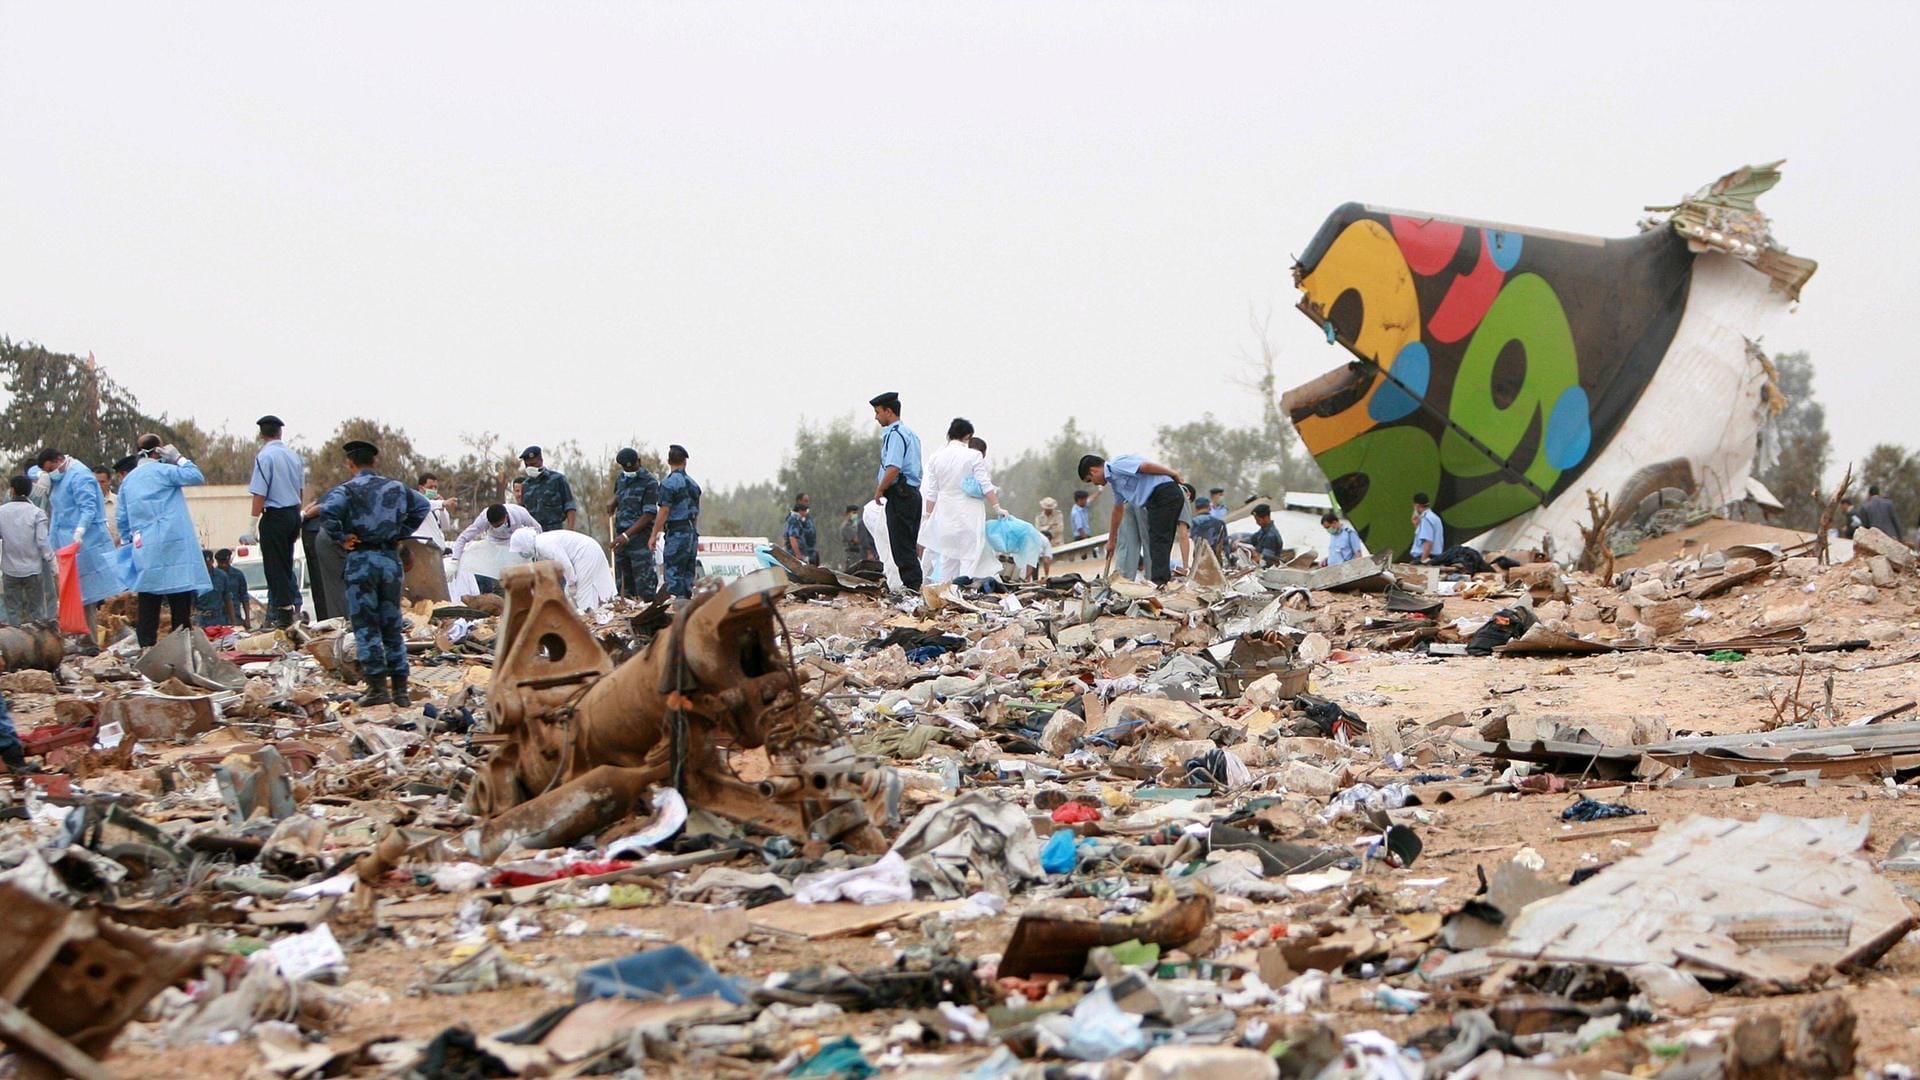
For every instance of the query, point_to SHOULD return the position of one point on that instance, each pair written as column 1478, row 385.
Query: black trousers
column 279, row 531
column 903, row 531
column 1163, row 522
column 146, row 619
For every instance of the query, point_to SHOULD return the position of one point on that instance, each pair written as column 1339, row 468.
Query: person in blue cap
column 279, row 477
column 545, row 493
column 369, row 515
column 636, row 499
column 154, row 521
column 678, row 516
column 897, row 488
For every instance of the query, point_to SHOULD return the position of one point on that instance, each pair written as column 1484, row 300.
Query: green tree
column 833, row 464
column 1050, row 470
column 1794, row 445
column 1895, row 470
column 744, row 510
column 1262, row 459
column 225, row 458
column 328, row 468
column 63, row 401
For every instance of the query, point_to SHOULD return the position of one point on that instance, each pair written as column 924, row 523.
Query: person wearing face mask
column 636, row 499
column 77, row 514
column 153, row 517
column 545, row 493
column 439, row 519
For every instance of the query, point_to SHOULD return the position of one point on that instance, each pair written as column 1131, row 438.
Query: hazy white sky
column 702, row 223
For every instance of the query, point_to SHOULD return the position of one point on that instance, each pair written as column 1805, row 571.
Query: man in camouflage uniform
column 545, row 493
column 367, row 515
column 635, row 495
column 678, row 516
column 800, row 539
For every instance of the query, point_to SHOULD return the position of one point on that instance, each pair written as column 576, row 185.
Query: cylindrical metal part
column 23, row 647
column 601, row 797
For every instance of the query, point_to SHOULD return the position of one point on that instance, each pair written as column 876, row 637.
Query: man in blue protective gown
column 368, row 515
column 678, row 516
column 77, row 514
column 151, row 510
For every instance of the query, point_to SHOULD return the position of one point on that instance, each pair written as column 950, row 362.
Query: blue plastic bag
column 1061, row 853
column 1011, row 536
column 657, row 974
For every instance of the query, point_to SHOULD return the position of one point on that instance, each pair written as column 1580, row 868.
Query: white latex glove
column 79, row 533
column 1002, row 511
column 170, row 454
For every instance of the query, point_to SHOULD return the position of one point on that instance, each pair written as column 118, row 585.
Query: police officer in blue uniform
column 678, row 516
column 368, row 515
column 545, row 493
column 636, row 497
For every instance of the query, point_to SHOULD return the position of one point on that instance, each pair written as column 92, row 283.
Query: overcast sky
column 703, row 223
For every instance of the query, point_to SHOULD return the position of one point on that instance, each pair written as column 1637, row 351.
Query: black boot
column 376, row 692
column 16, row 760
column 400, row 696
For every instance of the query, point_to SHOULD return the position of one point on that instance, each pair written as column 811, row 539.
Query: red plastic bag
column 73, row 614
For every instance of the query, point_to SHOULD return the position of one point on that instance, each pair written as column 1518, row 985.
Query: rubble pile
column 1364, row 821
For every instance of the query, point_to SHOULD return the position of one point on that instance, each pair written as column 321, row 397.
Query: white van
column 248, row 560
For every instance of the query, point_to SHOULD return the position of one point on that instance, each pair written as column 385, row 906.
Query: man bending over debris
column 1265, row 541
column 368, row 515
column 1343, row 544
column 1152, row 488
column 589, row 580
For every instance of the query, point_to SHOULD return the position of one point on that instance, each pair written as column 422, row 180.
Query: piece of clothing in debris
column 11, row 751
column 1050, row 523
column 799, row 534
column 899, row 449
column 1463, row 558
column 1585, row 809
column 549, row 498
column 1429, row 537
column 25, row 549
column 1266, row 543
column 517, row 518
column 1343, row 544
column 1505, row 625
column 75, row 504
column 1081, row 521
column 954, row 530
column 582, row 562
column 153, row 515
column 1878, row 514
column 1211, row 531
column 680, row 549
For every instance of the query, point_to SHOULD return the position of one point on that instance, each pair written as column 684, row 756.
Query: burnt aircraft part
column 37, row 647
column 586, row 739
